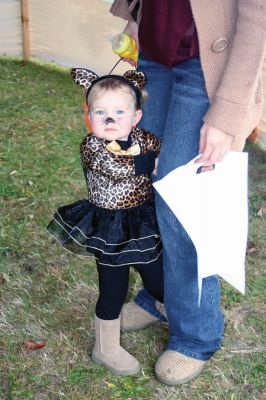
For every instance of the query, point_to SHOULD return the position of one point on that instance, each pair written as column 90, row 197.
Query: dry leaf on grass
column 31, row 345
column 252, row 250
column 2, row 280
column 261, row 212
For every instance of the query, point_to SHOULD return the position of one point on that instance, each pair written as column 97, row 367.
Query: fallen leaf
column 253, row 137
column 261, row 211
column 252, row 249
column 2, row 280
column 29, row 268
column 110, row 385
column 31, row 345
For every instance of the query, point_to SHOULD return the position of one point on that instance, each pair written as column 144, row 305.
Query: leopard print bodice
column 111, row 178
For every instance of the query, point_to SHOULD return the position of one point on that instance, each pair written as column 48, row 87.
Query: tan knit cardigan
column 232, row 42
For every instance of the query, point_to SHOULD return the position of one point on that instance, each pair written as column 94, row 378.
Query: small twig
column 246, row 351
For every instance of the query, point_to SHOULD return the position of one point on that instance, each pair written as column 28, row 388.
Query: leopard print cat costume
column 111, row 178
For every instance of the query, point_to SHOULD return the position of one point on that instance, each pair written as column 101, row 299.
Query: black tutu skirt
column 114, row 237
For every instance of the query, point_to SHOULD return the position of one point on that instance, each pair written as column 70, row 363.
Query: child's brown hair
column 116, row 84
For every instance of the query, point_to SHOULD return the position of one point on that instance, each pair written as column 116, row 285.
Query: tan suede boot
column 107, row 350
column 173, row 368
column 135, row 318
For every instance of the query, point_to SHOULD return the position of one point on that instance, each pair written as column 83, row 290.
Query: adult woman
column 205, row 97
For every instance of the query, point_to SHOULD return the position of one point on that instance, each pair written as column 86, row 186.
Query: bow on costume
column 115, row 148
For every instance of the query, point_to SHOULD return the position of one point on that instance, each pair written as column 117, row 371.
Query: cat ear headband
column 87, row 79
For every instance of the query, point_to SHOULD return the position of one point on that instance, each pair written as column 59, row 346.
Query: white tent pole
column 25, row 29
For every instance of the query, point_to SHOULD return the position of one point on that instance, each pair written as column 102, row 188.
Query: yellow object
column 125, row 46
column 115, row 148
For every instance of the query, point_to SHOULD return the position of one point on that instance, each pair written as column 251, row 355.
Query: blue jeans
column 177, row 102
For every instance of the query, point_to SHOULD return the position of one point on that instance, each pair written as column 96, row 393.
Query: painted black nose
column 109, row 120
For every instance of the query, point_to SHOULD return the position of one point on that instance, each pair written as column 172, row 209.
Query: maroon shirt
column 167, row 33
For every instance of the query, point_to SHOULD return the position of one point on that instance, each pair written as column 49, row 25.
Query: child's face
column 112, row 114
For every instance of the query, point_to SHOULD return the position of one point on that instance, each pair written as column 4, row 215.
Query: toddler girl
column 117, row 223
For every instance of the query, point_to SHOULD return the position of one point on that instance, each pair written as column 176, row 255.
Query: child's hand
column 154, row 172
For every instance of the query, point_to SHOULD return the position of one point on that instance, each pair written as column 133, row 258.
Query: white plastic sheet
column 213, row 208
column 10, row 28
column 262, row 124
column 68, row 32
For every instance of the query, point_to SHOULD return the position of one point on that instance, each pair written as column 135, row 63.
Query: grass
column 47, row 294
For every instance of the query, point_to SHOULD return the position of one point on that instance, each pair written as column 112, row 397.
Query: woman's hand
column 214, row 145
column 132, row 29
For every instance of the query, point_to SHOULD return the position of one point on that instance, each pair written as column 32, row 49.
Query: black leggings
column 113, row 286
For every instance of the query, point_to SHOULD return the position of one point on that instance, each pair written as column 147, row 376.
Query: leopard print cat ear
column 83, row 77
column 138, row 79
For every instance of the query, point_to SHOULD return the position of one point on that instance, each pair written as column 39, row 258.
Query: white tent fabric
column 68, row 32
column 10, row 28
column 71, row 33
column 262, row 125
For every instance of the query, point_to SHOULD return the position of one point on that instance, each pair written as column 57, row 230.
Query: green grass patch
column 47, row 294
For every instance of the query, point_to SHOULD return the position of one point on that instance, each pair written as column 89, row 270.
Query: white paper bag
column 212, row 206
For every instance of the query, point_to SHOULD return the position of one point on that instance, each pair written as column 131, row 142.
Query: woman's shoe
column 134, row 318
column 173, row 368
